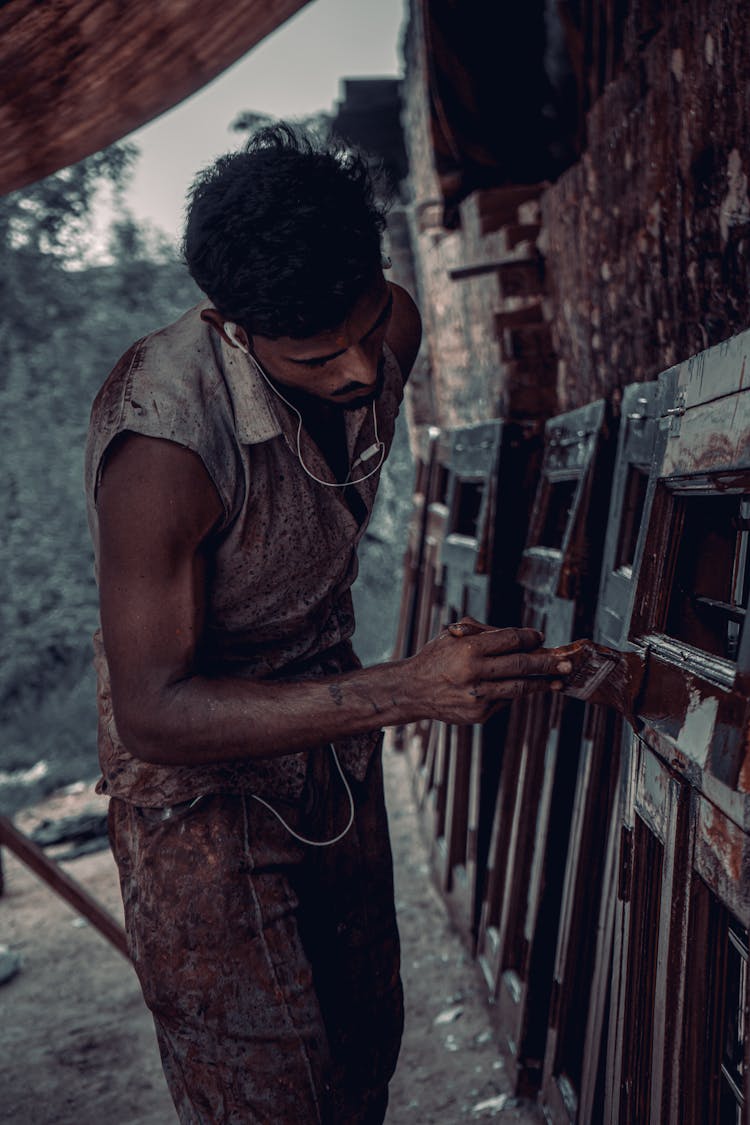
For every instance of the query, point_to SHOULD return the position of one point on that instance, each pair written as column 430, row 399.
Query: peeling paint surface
column 698, row 726
column 662, row 192
column 743, row 783
column 735, row 206
column 725, row 840
column 714, row 436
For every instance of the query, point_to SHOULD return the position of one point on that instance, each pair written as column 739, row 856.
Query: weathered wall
column 432, row 245
column 647, row 238
column 470, row 377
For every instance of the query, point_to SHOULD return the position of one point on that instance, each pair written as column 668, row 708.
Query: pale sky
column 293, row 72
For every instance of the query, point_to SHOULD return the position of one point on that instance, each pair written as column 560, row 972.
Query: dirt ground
column 76, row 1042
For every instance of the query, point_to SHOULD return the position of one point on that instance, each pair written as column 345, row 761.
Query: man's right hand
column 470, row 670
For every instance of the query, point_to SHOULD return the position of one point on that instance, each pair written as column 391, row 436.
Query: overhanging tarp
column 76, row 75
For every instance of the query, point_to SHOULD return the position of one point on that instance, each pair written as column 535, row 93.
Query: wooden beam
column 62, row 884
column 76, row 75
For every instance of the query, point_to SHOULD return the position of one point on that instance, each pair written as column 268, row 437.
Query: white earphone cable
column 377, row 446
column 304, row 839
column 326, row 484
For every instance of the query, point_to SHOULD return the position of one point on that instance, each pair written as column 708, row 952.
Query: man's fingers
column 542, row 662
column 514, row 689
column 499, row 690
column 494, row 642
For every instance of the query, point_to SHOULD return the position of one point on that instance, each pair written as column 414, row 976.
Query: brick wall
column 471, row 379
column 645, row 240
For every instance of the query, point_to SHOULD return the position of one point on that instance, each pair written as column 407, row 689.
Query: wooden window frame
column 658, row 573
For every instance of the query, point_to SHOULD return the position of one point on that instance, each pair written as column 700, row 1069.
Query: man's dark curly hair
column 284, row 237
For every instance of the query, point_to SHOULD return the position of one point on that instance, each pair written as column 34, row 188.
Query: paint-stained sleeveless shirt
column 278, row 603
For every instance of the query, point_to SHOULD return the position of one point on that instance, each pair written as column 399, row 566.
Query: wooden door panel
column 471, row 462
column 650, row 928
column 559, row 572
column 714, row 1050
column 413, row 562
column 583, row 954
column 629, row 508
column 680, row 976
column 574, row 1063
column 426, row 612
column 487, row 473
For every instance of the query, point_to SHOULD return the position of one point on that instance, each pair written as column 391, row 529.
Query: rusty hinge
column 674, row 413
column 625, row 887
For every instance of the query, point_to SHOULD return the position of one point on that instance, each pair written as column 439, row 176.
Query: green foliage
column 64, row 324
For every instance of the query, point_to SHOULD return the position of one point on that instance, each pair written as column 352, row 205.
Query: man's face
column 343, row 366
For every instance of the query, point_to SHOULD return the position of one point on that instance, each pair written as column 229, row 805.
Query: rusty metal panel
column 715, row 373
column 623, row 911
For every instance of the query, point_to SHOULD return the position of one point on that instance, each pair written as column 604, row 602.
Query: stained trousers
column 271, row 968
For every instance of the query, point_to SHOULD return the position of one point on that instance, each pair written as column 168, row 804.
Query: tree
column 64, row 322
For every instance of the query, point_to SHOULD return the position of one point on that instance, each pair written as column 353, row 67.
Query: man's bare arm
column 157, row 510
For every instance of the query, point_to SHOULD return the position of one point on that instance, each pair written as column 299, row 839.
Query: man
column 232, row 463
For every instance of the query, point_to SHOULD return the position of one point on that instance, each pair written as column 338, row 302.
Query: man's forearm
column 461, row 676
column 200, row 721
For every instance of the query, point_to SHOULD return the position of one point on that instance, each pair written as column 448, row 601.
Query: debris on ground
column 77, row 1045
column 10, row 964
column 84, row 832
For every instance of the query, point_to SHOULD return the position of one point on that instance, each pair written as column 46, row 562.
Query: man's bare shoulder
column 155, row 489
column 405, row 329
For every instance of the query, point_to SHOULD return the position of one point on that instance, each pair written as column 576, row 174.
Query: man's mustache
column 371, row 392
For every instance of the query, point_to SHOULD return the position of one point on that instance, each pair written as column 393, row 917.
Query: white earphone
column 230, row 331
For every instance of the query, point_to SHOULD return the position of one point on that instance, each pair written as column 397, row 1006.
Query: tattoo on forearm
column 336, row 694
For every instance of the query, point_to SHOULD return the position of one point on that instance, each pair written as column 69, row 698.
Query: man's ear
column 404, row 333
column 238, row 337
